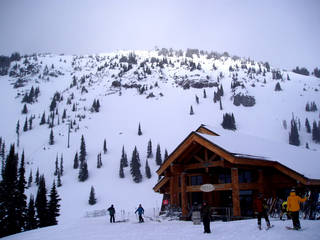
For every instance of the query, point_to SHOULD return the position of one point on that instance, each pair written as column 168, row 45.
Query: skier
column 140, row 211
column 283, row 209
column 206, row 214
column 294, row 208
column 261, row 207
column 112, row 212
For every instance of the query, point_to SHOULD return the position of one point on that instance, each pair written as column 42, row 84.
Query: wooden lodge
column 204, row 157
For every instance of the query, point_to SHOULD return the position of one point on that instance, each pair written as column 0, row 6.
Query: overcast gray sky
column 284, row 32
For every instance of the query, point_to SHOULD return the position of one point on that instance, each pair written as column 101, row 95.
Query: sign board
column 207, row 188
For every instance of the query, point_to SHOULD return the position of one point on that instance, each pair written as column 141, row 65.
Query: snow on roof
column 301, row 160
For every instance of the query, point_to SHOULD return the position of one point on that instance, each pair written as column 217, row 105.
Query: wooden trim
column 203, row 129
column 198, row 158
column 204, row 165
column 160, row 184
column 180, row 149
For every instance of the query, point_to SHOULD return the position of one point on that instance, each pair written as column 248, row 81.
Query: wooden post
column 184, row 199
column 171, row 191
column 235, row 192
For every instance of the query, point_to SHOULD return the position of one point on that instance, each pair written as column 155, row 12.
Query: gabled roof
column 301, row 164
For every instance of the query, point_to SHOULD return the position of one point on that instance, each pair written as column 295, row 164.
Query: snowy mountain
column 155, row 89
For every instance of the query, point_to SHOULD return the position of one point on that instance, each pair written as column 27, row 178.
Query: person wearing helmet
column 294, row 208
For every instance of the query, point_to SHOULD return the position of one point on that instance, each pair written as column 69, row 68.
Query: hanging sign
column 207, row 188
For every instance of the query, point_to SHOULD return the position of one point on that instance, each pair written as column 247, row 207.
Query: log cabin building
column 237, row 167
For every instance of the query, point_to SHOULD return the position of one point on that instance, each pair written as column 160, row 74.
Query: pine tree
column 149, row 149
column 53, row 104
column 124, row 158
column 30, row 122
column 51, row 137
column 307, row 107
column 30, row 179
column 165, row 155
column 308, row 128
column 316, row 132
column 21, row 198
column 197, row 99
column 9, row 196
column 83, row 152
column 18, row 133
column 37, row 180
column 121, row 173
column 294, row 135
column 56, row 170
column 83, row 172
column 76, row 161
column 191, row 110
column 25, row 126
column 42, row 203
column 135, row 166
column 61, row 165
column 204, row 93
column 74, row 108
column 64, row 115
column 220, row 104
column 148, row 172
column 229, row 122
column 99, row 161
column 59, row 183
column 43, row 119
column 31, row 220
column 139, row 130
column 92, row 197
column 105, row 146
column 158, row 156
column 278, row 87
column 24, row 109
column 53, row 206
column 98, row 106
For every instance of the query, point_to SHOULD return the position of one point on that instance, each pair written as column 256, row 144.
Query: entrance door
column 196, row 198
column 246, row 201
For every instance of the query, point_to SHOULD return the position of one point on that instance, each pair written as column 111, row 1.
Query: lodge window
column 224, row 178
column 196, row 180
column 247, row 176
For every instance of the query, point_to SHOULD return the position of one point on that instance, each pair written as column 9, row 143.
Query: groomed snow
column 100, row 229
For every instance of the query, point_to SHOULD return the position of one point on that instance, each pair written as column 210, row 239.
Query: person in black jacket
column 112, row 212
column 206, row 214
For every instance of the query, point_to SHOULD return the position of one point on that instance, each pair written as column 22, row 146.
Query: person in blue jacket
column 140, row 211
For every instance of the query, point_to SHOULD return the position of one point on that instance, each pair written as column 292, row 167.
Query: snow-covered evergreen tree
column 135, row 166
column 92, row 197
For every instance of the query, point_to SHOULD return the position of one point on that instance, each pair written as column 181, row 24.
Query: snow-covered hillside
column 155, row 89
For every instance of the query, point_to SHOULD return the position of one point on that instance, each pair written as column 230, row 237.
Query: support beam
column 235, row 192
column 174, row 190
column 184, row 199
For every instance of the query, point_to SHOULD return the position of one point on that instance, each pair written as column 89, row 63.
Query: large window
column 196, row 180
column 247, row 176
column 224, row 176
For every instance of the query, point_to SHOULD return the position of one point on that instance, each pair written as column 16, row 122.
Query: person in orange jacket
column 293, row 207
